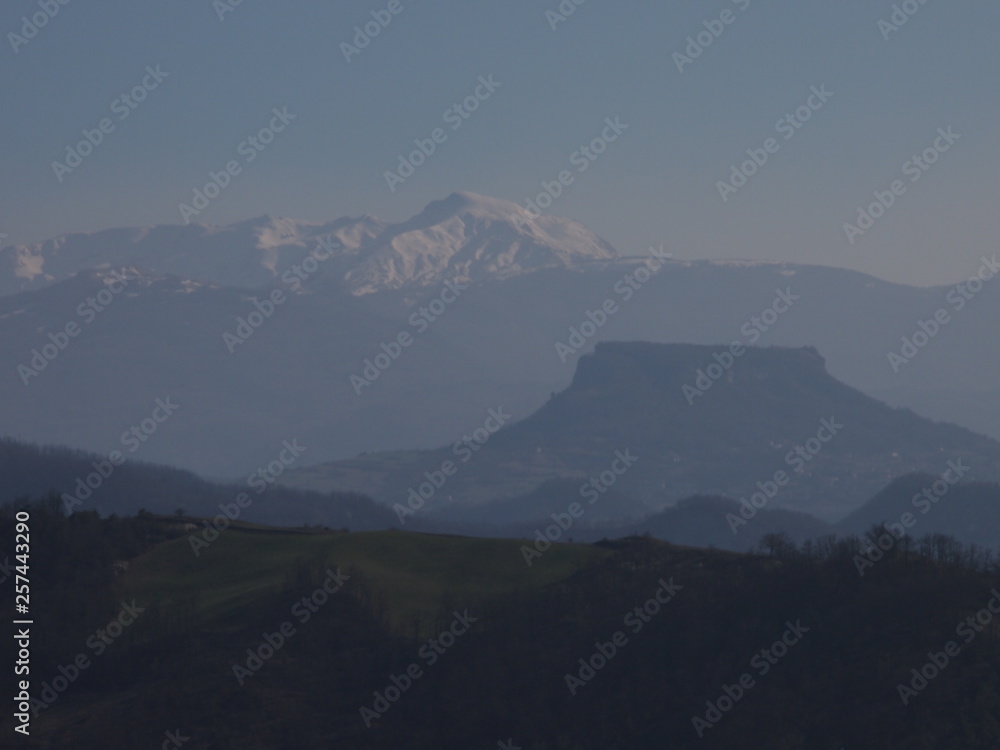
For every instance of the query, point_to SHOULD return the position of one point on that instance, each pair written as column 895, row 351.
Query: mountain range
column 464, row 236
column 174, row 312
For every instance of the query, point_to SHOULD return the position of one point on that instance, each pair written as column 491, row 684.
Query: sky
column 555, row 80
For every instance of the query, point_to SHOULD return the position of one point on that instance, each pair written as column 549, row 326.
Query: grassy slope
column 415, row 572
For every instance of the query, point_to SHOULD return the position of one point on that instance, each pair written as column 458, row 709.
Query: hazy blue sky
column 655, row 184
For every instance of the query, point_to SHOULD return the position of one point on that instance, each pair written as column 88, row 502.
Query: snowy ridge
column 465, row 236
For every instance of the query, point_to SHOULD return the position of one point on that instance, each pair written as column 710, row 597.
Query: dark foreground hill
column 390, row 640
column 677, row 420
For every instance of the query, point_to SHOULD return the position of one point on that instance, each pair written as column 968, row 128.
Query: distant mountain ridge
column 465, row 236
column 967, row 511
column 34, row 472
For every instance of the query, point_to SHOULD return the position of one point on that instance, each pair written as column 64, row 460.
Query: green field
column 415, row 573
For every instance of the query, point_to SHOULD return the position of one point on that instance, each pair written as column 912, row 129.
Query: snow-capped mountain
column 249, row 253
column 471, row 237
column 465, row 236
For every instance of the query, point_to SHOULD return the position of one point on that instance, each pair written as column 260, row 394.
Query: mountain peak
column 465, row 206
column 469, row 201
column 473, row 237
